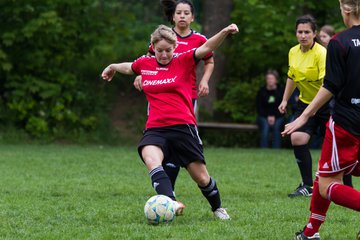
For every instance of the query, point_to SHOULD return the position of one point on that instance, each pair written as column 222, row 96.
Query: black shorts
column 319, row 120
column 180, row 144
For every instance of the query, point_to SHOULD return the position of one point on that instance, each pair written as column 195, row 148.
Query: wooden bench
column 220, row 125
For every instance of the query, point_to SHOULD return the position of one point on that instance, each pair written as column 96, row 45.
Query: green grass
column 98, row 192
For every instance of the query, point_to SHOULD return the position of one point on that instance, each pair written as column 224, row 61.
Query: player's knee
column 323, row 190
column 203, row 180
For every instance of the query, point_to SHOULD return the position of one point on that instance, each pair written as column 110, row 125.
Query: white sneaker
column 221, row 213
column 179, row 208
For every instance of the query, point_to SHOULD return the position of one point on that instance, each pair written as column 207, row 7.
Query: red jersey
column 191, row 41
column 167, row 89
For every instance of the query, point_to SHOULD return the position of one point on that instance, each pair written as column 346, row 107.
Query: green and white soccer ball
column 159, row 209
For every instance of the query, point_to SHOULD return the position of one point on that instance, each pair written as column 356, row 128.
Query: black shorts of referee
column 180, row 144
column 319, row 120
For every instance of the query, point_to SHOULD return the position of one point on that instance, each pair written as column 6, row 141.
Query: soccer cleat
column 221, row 213
column 301, row 236
column 302, row 190
column 358, row 236
column 179, row 208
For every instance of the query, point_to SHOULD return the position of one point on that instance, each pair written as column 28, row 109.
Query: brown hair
column 163, row 33
column 329, row 30
column 273, row 72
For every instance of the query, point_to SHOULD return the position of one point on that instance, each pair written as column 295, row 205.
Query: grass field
column 98, row 192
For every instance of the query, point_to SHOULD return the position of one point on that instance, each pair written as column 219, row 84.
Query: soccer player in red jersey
column 171, row 130
column 181, row 14
column 341, row 148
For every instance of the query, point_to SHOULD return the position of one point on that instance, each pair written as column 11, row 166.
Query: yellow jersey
column 307, row 70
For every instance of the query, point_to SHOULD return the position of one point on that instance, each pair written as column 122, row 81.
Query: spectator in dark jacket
column 269, row 119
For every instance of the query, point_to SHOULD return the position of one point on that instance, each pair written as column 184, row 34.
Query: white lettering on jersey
column 356, row 42
column 148, row 72
column 159, row 82
column 162, row 69
column 355, row 100
column 183, row 43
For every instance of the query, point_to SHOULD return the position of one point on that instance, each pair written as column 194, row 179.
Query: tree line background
column 53, row 51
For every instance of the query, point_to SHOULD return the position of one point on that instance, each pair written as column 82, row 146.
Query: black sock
column 161, row 182
column 212, row 194
column 172, row 171
column 304, row 161
column 347, row 179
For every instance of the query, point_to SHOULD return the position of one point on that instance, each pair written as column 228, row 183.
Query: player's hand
column 203, row 89
column 108, row 74
column 138, row 83
column 232, row 28
column 282, row 107
column 296, row 124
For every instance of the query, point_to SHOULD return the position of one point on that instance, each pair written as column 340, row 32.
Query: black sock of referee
column 212, row 194
column 347, row 180
column 172, row 171
column 161, row 182
column 304, row 161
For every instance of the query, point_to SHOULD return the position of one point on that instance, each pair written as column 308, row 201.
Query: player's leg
column 302, row 154
column 333, row 189
column 172, row 170
column 339, row 155
column 153, row 157
column 318, row 208
column 208, row 187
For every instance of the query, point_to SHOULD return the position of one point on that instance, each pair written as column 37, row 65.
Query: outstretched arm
column 215, row 41
column 109, row 71
column 322, row 97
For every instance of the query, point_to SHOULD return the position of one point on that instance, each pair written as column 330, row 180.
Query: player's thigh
column 152, row 156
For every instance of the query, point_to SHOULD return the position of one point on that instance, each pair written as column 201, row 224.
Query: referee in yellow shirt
column 306, row 72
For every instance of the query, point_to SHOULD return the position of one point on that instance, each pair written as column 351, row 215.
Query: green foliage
column 51, row 55
column 239, row 100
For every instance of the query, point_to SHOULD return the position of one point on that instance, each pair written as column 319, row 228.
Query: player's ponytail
column 351, row 6
column 169, row 7
column 357, row 8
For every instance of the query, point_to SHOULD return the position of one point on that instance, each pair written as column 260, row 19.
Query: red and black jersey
column 168, row 89
column 343, row 78
column 191, row 41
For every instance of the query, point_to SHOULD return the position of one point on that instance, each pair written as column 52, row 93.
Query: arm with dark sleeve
column 335, row 67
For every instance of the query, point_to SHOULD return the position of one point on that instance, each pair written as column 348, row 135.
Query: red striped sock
column 318, row 207
column 344, row 196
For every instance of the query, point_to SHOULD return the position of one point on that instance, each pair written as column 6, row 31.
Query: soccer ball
column 159, row 209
